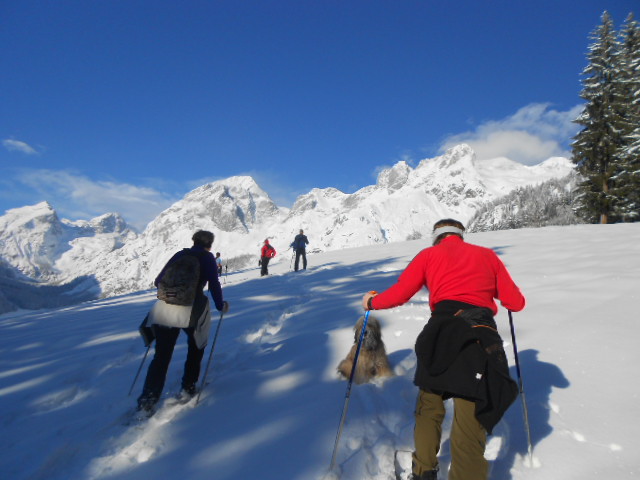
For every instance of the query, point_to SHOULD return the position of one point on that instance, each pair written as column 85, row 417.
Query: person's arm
column 409, row 282
column 508, row 292
column 210, row 271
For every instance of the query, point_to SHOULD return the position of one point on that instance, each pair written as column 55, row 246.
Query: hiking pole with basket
column 348, row 393
column 521, row 389
column 213, row 345
column 148, row 337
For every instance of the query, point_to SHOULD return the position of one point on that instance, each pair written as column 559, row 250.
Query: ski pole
column 213, row 345
column 135, row 379
column 521, row 388
column 225, row 273
column 348, row 394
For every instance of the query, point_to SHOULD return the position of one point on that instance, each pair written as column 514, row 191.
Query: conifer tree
column 627, row 179
column 596, row 147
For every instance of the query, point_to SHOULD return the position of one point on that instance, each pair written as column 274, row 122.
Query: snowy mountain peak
column 107, row 223
column 231, row 205
column 319, row 200
column 461, row 156
column 403, row 204
column 555, row 164
column 33, row 240
column 454, row 159
column 395, row 177
column 28, row 216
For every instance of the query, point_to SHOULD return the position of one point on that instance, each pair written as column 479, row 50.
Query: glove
column 365, row 299
column 225, row 307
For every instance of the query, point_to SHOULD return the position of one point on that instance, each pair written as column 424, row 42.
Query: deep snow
column 272, row 404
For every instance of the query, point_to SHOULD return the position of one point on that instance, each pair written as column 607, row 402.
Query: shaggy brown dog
column 372, row 360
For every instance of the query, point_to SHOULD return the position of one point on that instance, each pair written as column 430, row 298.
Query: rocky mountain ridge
column 403, row 204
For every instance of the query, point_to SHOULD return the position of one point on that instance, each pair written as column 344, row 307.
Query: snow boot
column 186, row 394
column 430, row 475
column 189, row 390
column 147, row 405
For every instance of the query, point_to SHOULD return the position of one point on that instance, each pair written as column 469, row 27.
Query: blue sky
column 128, row 105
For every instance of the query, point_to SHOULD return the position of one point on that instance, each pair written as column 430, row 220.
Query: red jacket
column 455, row 270
column 267, row 251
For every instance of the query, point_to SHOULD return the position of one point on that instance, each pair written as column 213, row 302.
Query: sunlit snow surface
column 273, row 401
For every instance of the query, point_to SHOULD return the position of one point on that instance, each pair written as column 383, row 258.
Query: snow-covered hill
column 273, row 402
column 549, row 203
column 403, row 204
column 40, row 245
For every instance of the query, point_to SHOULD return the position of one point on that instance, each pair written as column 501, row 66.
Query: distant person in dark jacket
column 267, row 252
column 299, row 246
column 463, row 280
column 167, row 320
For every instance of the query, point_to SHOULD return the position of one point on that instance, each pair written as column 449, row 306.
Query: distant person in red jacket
column 454, row 356
column 267, row 252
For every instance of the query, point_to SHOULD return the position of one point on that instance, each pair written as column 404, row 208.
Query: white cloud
column 530, row 136
column 18, row 146
column 76, row 196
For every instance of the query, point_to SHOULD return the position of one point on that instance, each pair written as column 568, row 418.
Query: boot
column 430, row 475
column 190, row 390
column 147, row 403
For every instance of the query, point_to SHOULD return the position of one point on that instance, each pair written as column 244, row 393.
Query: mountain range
column 47, row 261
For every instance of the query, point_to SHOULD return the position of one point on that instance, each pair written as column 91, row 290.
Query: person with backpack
column 299, row 246
column 182, row 305
column 267, row 252
column 219, row 264
column 459, row 352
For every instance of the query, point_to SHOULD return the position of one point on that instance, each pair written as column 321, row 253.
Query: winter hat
column 446, row 229
column 447, row 225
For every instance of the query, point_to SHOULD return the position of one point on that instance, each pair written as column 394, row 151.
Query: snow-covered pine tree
column 596, row 147
column 548, row 203
column 626, row 182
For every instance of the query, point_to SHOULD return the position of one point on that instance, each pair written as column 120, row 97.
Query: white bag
column 179, row 316
column 168, row 315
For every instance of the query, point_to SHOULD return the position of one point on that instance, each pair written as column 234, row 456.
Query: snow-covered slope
column 273, row 402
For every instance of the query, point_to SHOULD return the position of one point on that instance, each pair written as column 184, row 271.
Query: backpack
column 179, row 283
column 271, row 252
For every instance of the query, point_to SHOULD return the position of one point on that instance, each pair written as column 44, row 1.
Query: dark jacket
column 208, row 273
column 462, row 356
column 300, row 242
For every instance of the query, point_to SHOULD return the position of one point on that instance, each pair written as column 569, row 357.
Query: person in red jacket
column 267, row 252
column 463, row 282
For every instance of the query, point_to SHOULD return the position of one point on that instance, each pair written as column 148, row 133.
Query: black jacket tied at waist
column 460, row 354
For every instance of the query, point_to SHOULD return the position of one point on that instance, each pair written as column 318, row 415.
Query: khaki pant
column 468, row 438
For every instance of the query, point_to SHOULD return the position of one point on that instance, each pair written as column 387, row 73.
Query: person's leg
column 192, row 364
column 157, row 373
column 297, row 262
column 304, row 259
column 468, row 441
column 263, row 266
column 427, row 433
